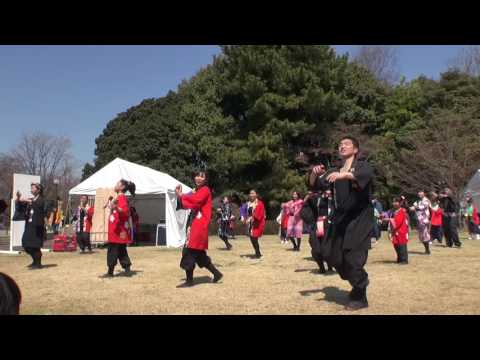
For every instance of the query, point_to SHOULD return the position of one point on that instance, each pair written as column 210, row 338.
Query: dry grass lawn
column 283, row 282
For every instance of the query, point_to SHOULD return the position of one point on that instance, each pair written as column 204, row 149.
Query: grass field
column 283, row 282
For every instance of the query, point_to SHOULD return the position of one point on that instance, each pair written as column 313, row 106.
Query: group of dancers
column 32, row 211
column 436, row 217
column 338, row 215
column 337, row 212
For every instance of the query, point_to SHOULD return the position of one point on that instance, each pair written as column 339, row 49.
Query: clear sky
column 76, row 90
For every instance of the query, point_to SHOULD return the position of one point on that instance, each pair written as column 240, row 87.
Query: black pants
column 118, row 252
column 35, row 253
column 256, row 245
column 402, row 253
column 436, row 232
column 376, row 233
column 83, row 240
column 450, row 231
column 473, row 228
column 315, row 242
column 352, row 268
column 192, row 257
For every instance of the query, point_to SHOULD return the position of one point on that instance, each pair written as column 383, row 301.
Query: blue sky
column 75, row 90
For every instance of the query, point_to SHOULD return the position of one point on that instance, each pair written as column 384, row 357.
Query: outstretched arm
column 195, row 201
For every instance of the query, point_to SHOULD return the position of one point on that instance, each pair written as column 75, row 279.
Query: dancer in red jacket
column 119, row 232
column 399, row 231
column 255, row 221
column 194, row 251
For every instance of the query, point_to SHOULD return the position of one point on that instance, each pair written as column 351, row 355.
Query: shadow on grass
column 332, row 294
column 44, row 266
column 317, row 272
column 304, row 270
column 309, row 258
column 224, row 249
column 310, row 292
column 385, row 262
column 335, row 295
column 249, row 256
column 417, row 252
column 200, row 280
column 131, row 274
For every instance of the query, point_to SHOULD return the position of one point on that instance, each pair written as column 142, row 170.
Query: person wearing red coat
column 194, row 251
column 436, row 220
column 399, row 231
column 255, row 221
column 119, row 232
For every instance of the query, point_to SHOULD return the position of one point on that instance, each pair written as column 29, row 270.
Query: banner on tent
column 99, row 231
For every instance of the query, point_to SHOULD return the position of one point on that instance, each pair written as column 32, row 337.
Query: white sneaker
column 478, row 237
column 470, row 238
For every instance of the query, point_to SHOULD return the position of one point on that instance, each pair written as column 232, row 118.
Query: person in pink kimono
column 295, row 223
column 422, row 210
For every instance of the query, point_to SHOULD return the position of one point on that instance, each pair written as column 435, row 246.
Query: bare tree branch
column 467, row 61
column 381, row 61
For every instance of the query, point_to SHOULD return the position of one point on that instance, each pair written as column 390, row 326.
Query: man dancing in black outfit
column 348, row 237
column 450, row 218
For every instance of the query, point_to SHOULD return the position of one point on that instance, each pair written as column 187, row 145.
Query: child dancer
column 399, row 231
column 119, row 232
column 194, row 251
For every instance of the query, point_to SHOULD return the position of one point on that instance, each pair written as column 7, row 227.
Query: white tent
column 473, row 187
column 148, row 182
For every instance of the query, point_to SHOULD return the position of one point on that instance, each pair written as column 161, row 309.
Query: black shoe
column 355, row 293
column 31, row 265
column 185, row 284
column 36, row 266
column 403, row 263
column 229, row 247
column 127, row 271
column 217, row 277
column 355, row 305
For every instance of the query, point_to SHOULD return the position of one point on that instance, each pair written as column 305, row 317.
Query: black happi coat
column 34, row 233
column 315, row 206
column 352, row 220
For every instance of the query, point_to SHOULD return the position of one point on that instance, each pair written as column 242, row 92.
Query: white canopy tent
column 473, row 187
column 148, row 182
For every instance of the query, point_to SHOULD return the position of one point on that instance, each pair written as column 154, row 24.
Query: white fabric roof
column 147, row 180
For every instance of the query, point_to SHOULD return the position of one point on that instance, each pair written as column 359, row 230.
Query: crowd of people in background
column 339, row 213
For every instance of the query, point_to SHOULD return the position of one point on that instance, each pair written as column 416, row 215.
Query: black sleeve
column 322, row 184
column 39, row 206
column 363, row 174
column 20, row 213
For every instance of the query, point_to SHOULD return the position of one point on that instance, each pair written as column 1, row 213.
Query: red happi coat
column 475, row 217
column 89, row 219
column 258, row 224
column 399, row 227
column 200, row 202
column 284, row 219
column 118, row 224
column 437, row 215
